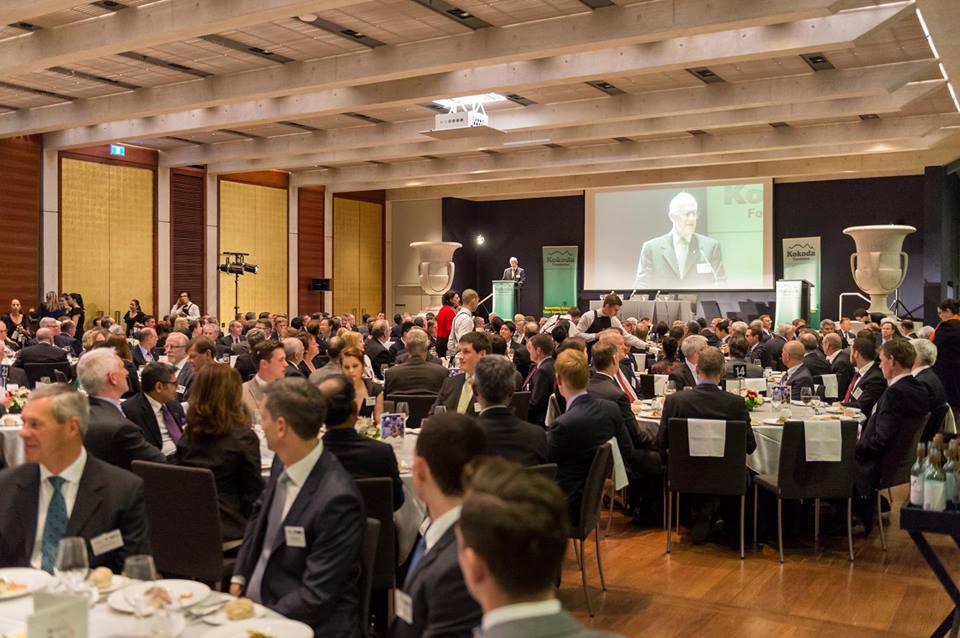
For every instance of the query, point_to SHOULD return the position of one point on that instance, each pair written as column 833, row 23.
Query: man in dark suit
column 507, row 436
column 434, row 600
column 144, row 352
column 540, row 381
column 175, row 348
column 360, row 455
column 456, row 394
column 739, row 366
column 517, row 275
column 756, row 350
column 521, row 358
column 899, row 411
column 375, row 348
column 682, row 258
column 813, row 359
column 246, row 365
column 839, row 361
column 575, row 435
column 66, row 340
column 16, row 376
column 868, row 382
column 705, row 401
column 417, row 375
column 63, row 491
column 155, row 409
column 399, row 345
column 685, row 375
column 110, row 436
column 774, row 345
column 936, row 395
column 301, row 551
column 798, row 375
column 947, row 339
column 44, row 351
column 504, row 575
column 233, row 338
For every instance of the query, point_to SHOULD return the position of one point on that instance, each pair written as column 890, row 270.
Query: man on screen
column 682, row 258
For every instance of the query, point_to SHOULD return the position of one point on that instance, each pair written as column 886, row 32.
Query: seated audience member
column 904, row 400
column 233, row 338
column 110, row 435
column 623, row 375
column 63, row 491
column 43, row 351
column 813, row 359
column 906, row 329
column 507, row 436
column 245, row 364
column 839, row 361
column 456, row 393
column 512, row 540
column 311, row 351
column 144, row 352
column 738, row 366
column 399, row 345
column 360, row 455
column 540, row 381
column 705, row 401
column 201, row 352
column 868, row 382
column 575, row 435
column 155, row 409
column 774, row 345
column 271, row 365
column 889, row 330
column 756, row 352
column 67, row 338
column 686, row 373
column 521, row 358
column 122, row 348
column 211, row 331
column 175, row 347
column 218, row 439
column 416, row 375
column 368, row 394
column 335, row 346
column 439, row 603
column 376, row 347
column 669, row 362
column 798, row 375
column 353, row 339
column 926, row 356
column 499, row 346
column 301, row 551
column 294, row 353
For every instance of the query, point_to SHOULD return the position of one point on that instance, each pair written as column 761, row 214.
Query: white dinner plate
column 771, row 421
column 273, row 627
column 220, row 618
column 183, row 592
column 119, row 581
column 32, row 580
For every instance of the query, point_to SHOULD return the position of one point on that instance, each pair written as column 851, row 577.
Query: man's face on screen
column 684, row 218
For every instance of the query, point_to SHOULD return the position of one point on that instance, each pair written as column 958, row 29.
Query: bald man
column 682, row 257
column 42, row 352
column 798, row 375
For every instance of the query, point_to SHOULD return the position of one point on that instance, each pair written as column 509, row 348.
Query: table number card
column 59, row 616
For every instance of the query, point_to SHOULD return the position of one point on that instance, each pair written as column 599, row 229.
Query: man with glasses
column 682, row 257
column 176, row 350
column 155, row 408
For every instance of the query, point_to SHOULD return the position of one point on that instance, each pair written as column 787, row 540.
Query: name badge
column 181, row 389
column 403, row 605
column 856, row 393
column 477, row 407
column 295, row 536
column 106, row 542
column 704, row 269
column 370, row 401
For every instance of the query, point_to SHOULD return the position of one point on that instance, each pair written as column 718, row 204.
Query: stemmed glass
column 776, row 398
column 806, row 396
column 669, row 388
column 139, row 567
column 72, row 565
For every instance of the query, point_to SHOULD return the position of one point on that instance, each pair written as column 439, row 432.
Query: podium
column 793, row 300
column 504, row 298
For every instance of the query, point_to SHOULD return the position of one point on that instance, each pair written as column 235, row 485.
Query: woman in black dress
column 134, row 316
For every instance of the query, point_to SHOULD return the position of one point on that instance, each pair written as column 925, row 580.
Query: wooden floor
column 706, row 590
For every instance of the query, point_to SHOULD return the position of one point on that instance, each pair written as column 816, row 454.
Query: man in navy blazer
column 936, row 395
column 575, row 435
column 798, row 375
column 868, row 382
column 540, row 380
column 301, row 551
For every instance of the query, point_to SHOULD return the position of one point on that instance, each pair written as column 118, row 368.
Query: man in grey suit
column 519, row 276
column 683, row 258
column 512, row 538
column 416, row 375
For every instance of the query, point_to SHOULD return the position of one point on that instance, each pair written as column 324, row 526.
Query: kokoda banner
column 559, row 279
column 801, row 260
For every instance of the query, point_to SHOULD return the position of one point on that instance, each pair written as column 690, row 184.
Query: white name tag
column 106, row 542
column 856, row 393
column 295, row 536
column 403, row 605
column 704, row 269
column 477, row 407
column 181, row 389
column 370, row 401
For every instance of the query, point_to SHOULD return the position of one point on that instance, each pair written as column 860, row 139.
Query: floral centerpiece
column 16, row 399
column 752, row 399
column 366, row 427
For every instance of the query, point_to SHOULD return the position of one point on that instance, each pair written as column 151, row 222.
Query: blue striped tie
column 55, row 526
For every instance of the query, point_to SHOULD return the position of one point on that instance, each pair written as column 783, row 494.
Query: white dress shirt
column 831, row 357
column 462, row 324
column 167, row 446
column 681, row 249
column 520, row 611
column 440, row 526
column 71, row 485
column 297, row 475
column 792, row 370
column 897, row 378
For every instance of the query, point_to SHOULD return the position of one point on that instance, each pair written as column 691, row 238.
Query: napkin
column 641, row 360
column 620, row 480
column 949, row 423
column 823, row 440
column 659, row 383
column 830, row 390
column 707, row 437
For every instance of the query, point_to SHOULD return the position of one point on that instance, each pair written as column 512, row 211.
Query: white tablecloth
column 12, row 444
column 411, row 514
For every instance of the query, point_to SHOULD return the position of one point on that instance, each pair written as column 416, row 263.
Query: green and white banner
column 559, row 278
column 801, row 260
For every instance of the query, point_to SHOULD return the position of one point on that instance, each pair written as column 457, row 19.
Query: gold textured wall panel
column 346, row 255
column 371, row 259
column 253, row 219
column 106, row 231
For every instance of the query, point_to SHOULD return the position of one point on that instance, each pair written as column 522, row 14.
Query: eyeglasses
column 170, row 346
column 174, row 382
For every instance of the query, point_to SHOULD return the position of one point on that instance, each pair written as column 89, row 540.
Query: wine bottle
column 950, row 470
column 916, row 478
column 934, row 484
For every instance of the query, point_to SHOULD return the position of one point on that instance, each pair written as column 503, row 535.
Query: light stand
column 900, row 306
column 237, row 267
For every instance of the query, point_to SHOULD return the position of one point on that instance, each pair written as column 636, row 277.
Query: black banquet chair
column 590, row 515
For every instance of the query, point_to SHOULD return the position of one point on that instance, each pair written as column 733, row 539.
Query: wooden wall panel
column 310, row 253
column 187, row 235
column 21, row 168
column 346, row 255
column 371, row 259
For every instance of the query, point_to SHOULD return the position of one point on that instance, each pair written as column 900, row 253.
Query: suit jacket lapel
column 88, row 498
column 307, row 490
column 26, row 506
column 150, row 419
column 430, row 556
column 670, row 255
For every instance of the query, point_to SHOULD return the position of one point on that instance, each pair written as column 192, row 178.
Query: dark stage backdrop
column 520, row 227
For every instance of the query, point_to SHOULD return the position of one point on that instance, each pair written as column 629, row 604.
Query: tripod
column 899, row 306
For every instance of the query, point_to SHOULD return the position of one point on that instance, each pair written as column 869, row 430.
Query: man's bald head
column 45, row 335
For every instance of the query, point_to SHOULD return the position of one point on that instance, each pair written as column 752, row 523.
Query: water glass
column 776, row 397
column 806, row 395
column 72, row 564
column 139, row 567
column 669, row 388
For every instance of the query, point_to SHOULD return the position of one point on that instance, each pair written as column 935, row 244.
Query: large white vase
column 436, row 267
column 879, row 266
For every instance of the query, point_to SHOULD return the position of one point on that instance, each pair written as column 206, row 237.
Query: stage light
column 232, row 269
column 480, row 240
column 251, row 268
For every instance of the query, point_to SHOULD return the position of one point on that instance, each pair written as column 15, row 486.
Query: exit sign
column 117, row 149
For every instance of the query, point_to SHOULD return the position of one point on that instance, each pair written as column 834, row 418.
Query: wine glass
column 139, row 567
column 776, row 398
column 806, row 396
column 72, row 564
column 669, row 388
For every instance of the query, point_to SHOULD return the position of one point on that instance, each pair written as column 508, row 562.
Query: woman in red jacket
column 451, row 301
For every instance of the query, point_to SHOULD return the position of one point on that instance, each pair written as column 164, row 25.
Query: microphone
column 656, row 295
column 716, row 280
column 632, row 293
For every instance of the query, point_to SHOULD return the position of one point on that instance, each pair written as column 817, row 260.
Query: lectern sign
column 801, row 260
column 559, row 278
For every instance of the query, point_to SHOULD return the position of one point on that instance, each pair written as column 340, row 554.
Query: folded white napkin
column 823, row 440
column 620, row 480
column 553, row 410
column 659, row 383
column 949, row 423
column 641, row 360
column 830, row 390
column 757, row 385
column 707, row 437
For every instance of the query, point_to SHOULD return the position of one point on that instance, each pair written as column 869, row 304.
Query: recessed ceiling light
column 307, row 17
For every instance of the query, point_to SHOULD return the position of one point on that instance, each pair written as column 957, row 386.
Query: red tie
column 853, row 382
column 526, row 381
column 625, row 386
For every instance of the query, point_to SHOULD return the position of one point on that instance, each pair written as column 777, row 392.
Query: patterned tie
column 172, row 428
column 274, row 519
column 533, row 371
column 55, row 526
column 627, row 390
column 466, row 395
column 853, row 383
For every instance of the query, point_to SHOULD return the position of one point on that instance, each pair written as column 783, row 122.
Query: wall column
column 163, row 239
column 293, row 248
column 212, row 304
column 328, row 247
column 50, row 222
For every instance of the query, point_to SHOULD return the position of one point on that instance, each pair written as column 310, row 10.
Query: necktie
column 526, row 381
column 466, row 395
column 172, row 428
column 418, row 552
column 627, row 390
column 682, row 248
column 55, row 526
column 853, row 383
column 274, row 519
